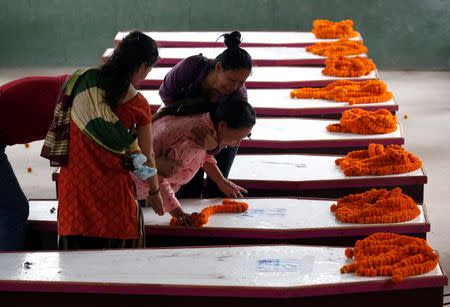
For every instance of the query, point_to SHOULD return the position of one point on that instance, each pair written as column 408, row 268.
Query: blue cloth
column 142, row 171
column 14, row 207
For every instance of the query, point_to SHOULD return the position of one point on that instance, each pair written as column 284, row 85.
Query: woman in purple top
column 196, row 85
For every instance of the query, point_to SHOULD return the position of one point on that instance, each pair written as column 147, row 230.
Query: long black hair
column 235, row 112
column 234, row 57
column 135, row 49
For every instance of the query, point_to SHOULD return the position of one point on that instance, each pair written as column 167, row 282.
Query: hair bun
column 133, row 35
column 233, row 39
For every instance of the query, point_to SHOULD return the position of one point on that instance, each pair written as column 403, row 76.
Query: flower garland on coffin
column 376, row 206
column 388, row 254
column 342, row 47
column 359, row 121
column 378, row 160
column 353, row 92
column 340, row 66
column 323, row 28
column 227, row 206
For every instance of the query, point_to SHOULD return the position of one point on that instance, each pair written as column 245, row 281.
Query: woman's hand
column 184, row 218
column 167, row 167
column 230, row 189
column 156, row 202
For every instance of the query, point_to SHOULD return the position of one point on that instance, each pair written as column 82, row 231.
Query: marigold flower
column 389, row 254
column 342, row 47
column 340, row 66
column 227, row 206
column 323, row 28
column 378, row 160
column 359, row 121
column 353, row 92
column 375, row 206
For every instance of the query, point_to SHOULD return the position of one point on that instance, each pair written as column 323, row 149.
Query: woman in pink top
column 227, row 123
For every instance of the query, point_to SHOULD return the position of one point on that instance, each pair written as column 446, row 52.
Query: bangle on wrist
column 155, row 192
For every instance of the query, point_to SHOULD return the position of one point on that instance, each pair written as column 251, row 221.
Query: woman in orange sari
column 99, row 109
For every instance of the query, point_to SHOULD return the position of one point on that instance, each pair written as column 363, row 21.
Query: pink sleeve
column 170, row 201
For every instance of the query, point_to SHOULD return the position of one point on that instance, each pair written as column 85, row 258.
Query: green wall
column 400, row 34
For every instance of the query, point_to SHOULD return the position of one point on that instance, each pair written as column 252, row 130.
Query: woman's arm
column 172, row 205
column 226, row 186
column 145, row 140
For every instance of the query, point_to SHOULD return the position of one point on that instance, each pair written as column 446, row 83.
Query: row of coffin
column 239, row 273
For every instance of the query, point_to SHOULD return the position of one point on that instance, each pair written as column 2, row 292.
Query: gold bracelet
column 154, row 193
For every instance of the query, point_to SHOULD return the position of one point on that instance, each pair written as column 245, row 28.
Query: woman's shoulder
column 193, row 63
column 136, row 110
column 89, row 72
column 137, row 101
column 196, row 59
column 88, row 78
column 141, row 99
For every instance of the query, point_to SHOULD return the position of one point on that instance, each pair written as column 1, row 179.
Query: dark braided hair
column 234, row 57
column 135, row 49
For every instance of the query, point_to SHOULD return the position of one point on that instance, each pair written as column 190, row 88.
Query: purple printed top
column 184, row 80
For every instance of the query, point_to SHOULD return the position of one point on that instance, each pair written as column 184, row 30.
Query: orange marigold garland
column 227, row 206
column 340, row 66
column 376, row 206
column 353, row 92
column 377, row 160
column 342, row 47
column 360, row 121
column 388, row 254
column 323, row 28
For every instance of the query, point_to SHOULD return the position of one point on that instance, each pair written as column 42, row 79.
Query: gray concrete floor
column 423, row 97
